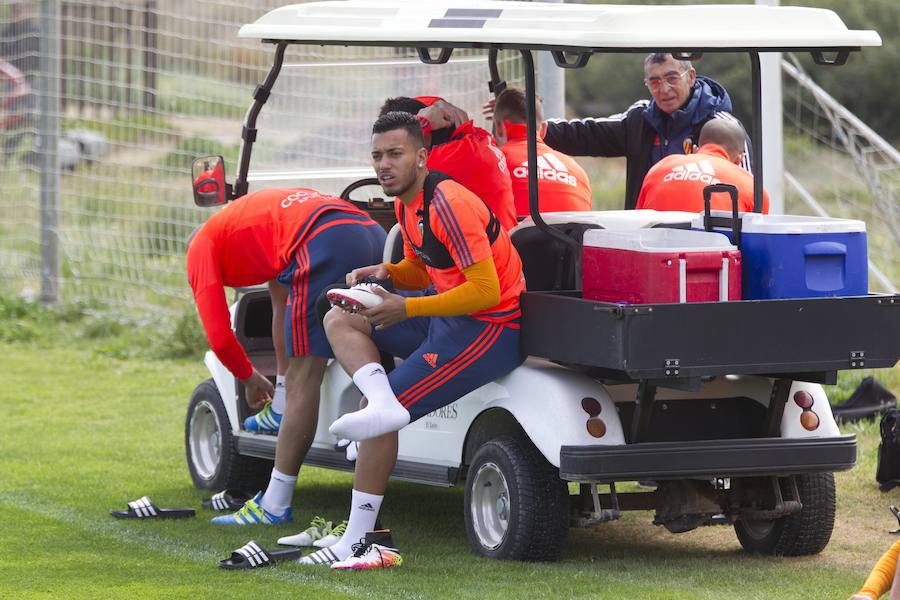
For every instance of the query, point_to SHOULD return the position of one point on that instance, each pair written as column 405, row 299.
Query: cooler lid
column 658, row 240
column 614, row 219
column 779, row 224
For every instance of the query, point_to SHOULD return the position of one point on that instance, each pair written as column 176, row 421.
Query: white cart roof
column 564, row 26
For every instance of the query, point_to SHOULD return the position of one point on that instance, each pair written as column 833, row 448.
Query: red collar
column 713, row 150
column 518, row 131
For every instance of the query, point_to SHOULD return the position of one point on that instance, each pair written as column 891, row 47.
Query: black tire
column 803, row 533
column 212, row 455
column 536, row 507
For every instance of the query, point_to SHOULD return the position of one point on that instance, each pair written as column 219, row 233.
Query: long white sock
column 363, row 514
column 279, row 401
column 373, row 382
column 278, row 495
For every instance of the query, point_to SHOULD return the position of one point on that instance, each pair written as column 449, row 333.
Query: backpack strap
column 432, row 252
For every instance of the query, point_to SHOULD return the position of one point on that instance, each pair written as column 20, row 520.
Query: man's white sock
column 370, row 422
column 278, row 495
column 383, row 412
column 279, row 401
column 373, row 382
column 363, row 514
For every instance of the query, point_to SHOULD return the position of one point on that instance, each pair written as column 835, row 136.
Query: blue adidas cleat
column 265, row 421
column 252, row 513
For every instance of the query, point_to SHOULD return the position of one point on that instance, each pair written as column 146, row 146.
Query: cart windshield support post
column 756, row 158
column 248, row 135
column 531, row 114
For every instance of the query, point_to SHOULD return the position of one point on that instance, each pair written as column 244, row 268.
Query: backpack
column 888, row 472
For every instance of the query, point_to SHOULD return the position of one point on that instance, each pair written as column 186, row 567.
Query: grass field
column 86, row 433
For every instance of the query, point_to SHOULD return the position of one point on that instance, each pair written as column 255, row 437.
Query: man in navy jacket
column 648, row 131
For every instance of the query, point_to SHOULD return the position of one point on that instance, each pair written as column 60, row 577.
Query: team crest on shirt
column 431, row 359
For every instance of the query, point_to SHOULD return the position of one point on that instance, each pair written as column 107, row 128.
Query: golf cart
column 719, row 403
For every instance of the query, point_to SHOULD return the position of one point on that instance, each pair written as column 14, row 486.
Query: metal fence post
column 48, row 135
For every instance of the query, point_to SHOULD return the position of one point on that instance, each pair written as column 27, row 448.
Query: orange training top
column 249, row 242
column 562, row 183
column 458, row 219
column 472, row 159
column 677, row 181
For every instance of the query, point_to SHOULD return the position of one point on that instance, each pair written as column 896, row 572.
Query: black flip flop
column 251, row 556
column 144, row 508
column 227, row 500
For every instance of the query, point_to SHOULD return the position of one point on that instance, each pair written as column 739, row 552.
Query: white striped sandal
column 325, row 557
column 251, row 556
column 227, row 500
column 144, row 508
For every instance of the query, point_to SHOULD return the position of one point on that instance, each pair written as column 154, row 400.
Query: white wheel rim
column 490, row 505
column 205, row 440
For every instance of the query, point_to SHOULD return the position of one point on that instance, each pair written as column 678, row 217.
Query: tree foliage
column 866, row 84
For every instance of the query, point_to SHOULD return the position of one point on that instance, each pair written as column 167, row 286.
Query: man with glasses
column 682, row 102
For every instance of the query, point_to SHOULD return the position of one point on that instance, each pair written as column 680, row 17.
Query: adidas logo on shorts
column 431, row 359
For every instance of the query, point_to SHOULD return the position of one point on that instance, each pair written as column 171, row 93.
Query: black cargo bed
column 809, row 338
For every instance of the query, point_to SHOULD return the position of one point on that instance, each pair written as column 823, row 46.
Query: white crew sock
column 279, row 401
column 383, row 412
column 373, row 382
column 278, row 495
column 363, row 514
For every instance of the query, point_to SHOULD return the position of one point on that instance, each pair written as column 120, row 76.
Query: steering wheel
column 372, row 199
column 370, row 195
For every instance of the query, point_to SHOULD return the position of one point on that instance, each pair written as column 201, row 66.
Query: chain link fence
column 144, row 87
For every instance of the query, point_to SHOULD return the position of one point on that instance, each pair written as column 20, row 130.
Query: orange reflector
column 596, row 427
column 809, row 420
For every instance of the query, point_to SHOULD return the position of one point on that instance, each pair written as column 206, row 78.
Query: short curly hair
column 400, row 120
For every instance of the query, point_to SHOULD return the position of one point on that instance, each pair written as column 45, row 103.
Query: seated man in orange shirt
column 562, row 183
column 464, row 152
column 453, row 342
column 677, row 181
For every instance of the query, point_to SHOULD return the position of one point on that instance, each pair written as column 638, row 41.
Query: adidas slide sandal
column 144, row 508
column 251, row 555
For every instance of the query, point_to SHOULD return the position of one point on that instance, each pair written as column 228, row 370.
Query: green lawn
column 85, row 433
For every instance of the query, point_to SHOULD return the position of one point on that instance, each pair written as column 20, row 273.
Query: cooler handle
column 734, row 223
column 825, row 249
column 682, row 280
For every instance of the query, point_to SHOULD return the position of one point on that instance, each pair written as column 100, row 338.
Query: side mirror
column 208, row 174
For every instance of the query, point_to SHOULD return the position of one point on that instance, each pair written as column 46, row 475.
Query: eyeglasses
column 671, row 78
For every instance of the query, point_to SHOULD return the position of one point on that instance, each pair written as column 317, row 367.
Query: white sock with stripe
column 363, row 514
column 279, row 401
column 383, row 412
column 278, row 495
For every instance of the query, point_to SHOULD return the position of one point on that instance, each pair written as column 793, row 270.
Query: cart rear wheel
column 516, row 506
column 805, row 532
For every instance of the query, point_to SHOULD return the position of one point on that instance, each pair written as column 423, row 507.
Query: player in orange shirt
column 562, row 183
column 453, row 342
column 677, row 181
column 464, row 152
column 300, row 241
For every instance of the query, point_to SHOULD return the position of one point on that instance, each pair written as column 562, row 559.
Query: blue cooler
column 790, row 256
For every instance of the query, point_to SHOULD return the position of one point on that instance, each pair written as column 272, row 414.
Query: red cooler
column 657, row 266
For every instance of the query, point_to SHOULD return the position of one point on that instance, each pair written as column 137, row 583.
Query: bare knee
column 339, row 321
